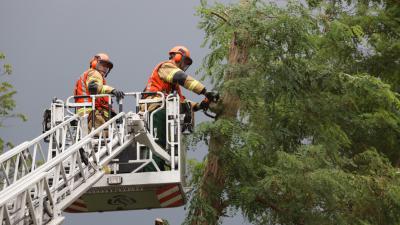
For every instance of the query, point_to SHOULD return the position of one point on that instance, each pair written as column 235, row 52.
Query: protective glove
column 117, row 93
column 92, row 86
column 212, row 96
column 203, row 105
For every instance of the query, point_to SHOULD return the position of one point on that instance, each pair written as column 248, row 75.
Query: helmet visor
column 107, row 64
column 105, row 67
column 186, row 63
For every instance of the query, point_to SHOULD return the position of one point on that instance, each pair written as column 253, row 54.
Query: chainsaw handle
column 208, row 114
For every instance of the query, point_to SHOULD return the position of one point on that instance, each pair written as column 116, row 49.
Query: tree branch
column 220, row 16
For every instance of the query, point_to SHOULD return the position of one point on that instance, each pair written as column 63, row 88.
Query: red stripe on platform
column 165, row 188
column 168, row 197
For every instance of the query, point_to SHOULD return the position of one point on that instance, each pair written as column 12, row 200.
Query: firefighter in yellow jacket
column 93, row 82
column 168, row 76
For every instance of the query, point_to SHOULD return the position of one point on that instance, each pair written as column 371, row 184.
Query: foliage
column 316, row 138
column 7, row 103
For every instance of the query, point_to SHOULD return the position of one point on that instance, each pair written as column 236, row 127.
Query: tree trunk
column 213, row 180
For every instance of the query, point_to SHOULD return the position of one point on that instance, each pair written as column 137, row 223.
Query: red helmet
column 179, row 53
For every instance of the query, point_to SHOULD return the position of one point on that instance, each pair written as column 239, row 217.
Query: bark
column 214, row 177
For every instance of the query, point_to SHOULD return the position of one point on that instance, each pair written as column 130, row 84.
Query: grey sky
column 49, row 44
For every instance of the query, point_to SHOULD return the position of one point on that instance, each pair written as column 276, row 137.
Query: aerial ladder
column 121, row 165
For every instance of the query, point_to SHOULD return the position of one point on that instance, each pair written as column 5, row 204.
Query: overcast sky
column 50, row 42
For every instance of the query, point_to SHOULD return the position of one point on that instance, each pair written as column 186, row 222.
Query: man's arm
column 173, row 75
column 95, row 85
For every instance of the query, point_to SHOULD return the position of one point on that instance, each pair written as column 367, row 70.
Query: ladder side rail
column 27, row 157
column 14, row 151
column 60, row 189
column 96, row 173
column 30, row 207
column 86, row 140
column 55, row 166
column 50, row 165
column 57, row 162
column 18, row 192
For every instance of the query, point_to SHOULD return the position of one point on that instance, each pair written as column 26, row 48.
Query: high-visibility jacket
column 155, row 83
column 164, row 82
column 81, row 88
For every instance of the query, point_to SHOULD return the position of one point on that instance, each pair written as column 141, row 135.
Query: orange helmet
column 180, row 54
column 101, row 58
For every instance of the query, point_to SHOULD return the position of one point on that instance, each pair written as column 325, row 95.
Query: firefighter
column 168, row 76
column 93, row 82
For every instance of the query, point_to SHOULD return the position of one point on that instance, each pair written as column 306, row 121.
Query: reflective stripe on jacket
column 155, row 83
column 81, row 88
